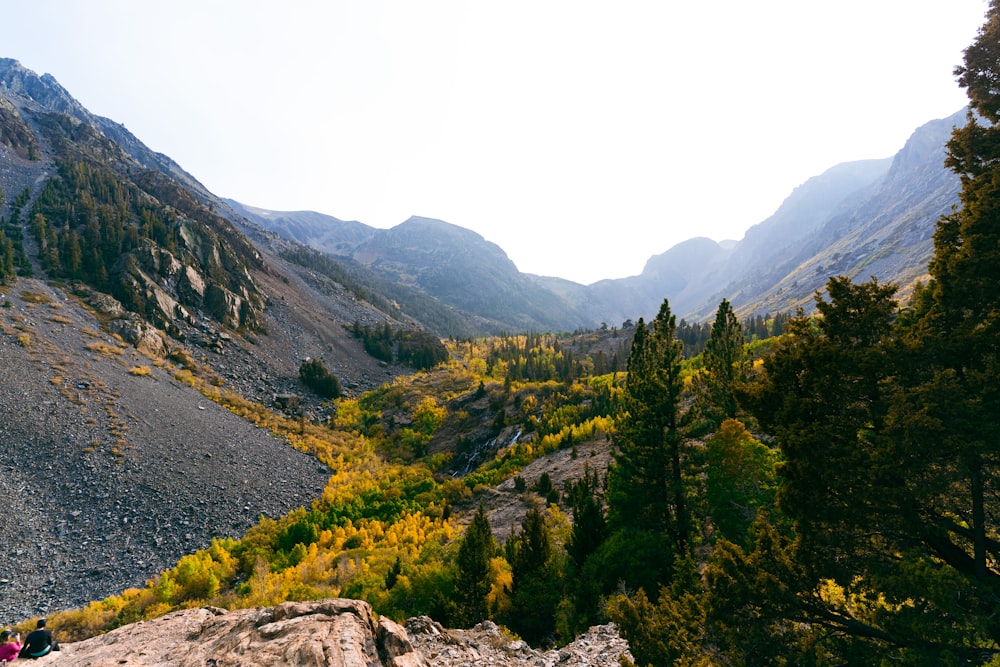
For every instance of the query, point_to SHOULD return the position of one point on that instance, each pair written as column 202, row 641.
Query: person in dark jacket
column 39, row 642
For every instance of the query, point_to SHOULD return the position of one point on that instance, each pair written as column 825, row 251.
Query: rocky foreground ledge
column 329, row 633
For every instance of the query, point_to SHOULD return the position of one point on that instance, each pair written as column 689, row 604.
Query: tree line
column 13, row 259
column 415, row 348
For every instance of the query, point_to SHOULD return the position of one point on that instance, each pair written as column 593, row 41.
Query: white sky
column 582, row 137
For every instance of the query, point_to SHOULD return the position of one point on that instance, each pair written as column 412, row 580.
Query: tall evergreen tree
column 645, row 484
column 589, row 525
column 824, row 397
column 725, row 363
column 590, row 529
column 536, row 588
column 951, row 409
column 876, row 477
column 965, row 317
column 472, row 583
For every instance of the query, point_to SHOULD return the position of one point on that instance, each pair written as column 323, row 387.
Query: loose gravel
column 108, row 477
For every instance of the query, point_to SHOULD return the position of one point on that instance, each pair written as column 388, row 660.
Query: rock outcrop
column 486, row 645
column 333, row 633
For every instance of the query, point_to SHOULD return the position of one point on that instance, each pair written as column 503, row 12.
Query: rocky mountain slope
column 113, row 467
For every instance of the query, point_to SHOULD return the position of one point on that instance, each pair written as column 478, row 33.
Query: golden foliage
column 35, row 297
column 105, row 349
column 371, row 512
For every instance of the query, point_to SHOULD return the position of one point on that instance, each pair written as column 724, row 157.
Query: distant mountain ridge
column 862, row 218
column 447, row 262
column 883, row 229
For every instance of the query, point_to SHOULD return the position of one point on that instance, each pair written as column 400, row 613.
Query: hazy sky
column 581, row 137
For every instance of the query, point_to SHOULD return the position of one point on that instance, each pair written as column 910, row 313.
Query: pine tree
column 472, row 583
column 536, row 588
column 590, row 529
column 589, row 525
column 725, row 363
column 645, row 484
column 824, row 397
column 956, row 338
column 315, row 375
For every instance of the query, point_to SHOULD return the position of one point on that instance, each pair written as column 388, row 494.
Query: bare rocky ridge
column 334, row 633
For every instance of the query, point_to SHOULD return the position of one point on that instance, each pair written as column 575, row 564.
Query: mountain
column 316, row 230
column 452, row 265
column 121, row 285
column 761, row 256
column 466, row 271
column 884, row 229
column 863, row 218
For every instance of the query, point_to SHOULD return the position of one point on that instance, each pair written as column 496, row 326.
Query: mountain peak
column 435, row 225
column 19, row 81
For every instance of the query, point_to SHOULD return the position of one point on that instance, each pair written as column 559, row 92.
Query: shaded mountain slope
column 464, row 270
column 883, row 230
column 422, row 262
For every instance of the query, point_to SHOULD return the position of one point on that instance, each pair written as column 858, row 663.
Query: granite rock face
column 334, row 633
column 331, row 633
column 487, row 645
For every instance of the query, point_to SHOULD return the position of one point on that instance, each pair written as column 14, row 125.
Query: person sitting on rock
column 39, row 642
column 10, row 646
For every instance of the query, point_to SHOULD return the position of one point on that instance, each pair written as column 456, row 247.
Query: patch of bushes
column 316, row 376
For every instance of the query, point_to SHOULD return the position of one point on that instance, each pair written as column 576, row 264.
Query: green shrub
column 315, row 376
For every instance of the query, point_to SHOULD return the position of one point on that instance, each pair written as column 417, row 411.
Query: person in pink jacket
column 10, row 646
